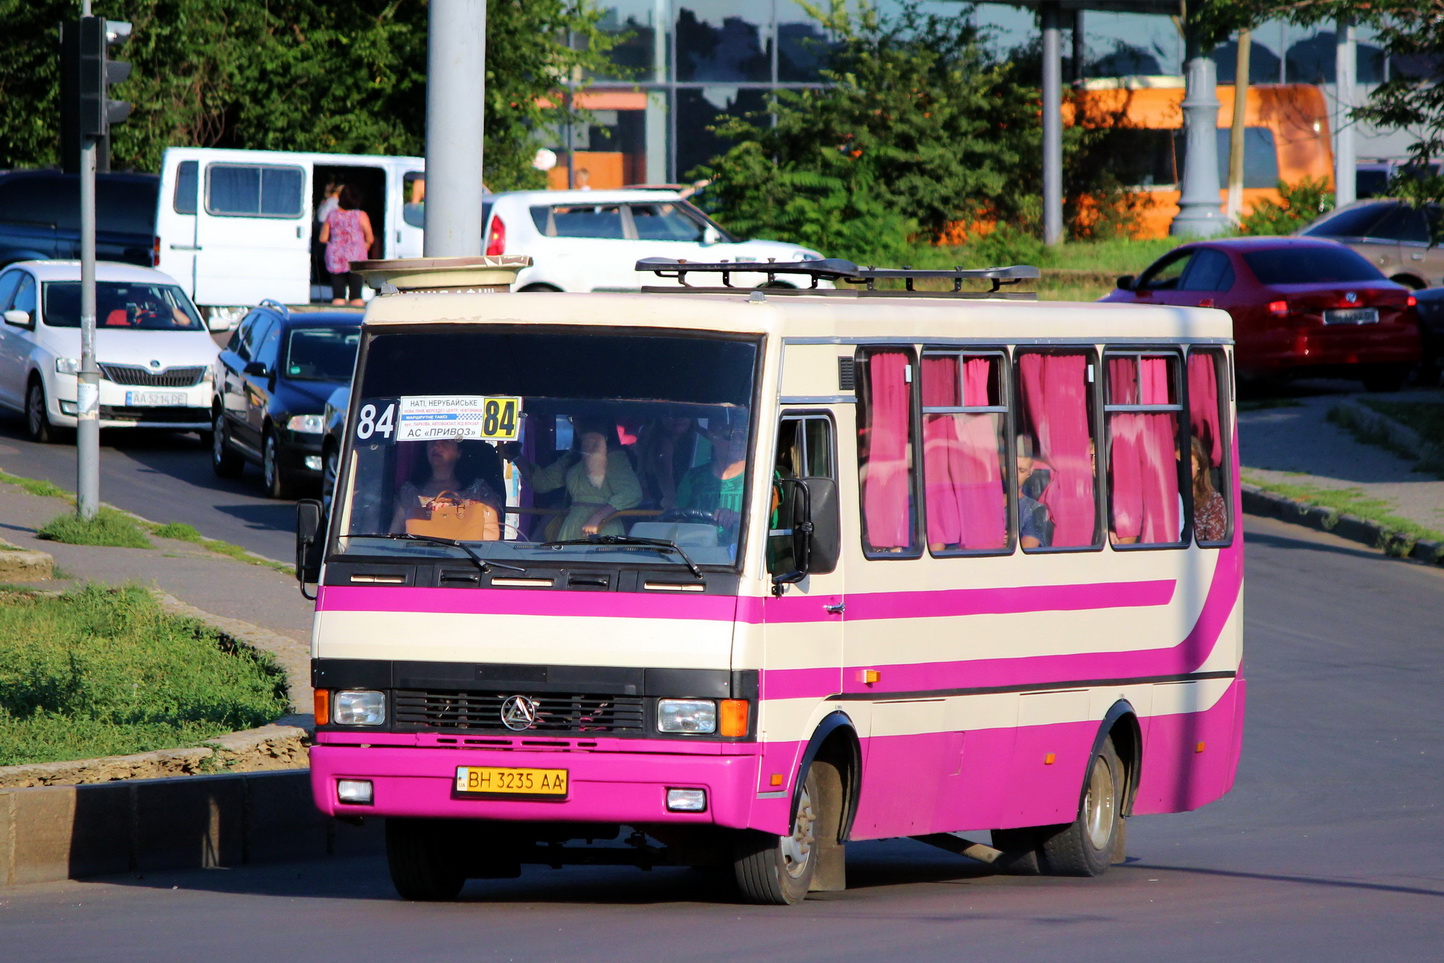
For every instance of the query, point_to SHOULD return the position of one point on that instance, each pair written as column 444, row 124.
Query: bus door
column 804, row 624
column 253, row 231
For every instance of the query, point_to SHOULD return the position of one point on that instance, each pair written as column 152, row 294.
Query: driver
column 715, row 489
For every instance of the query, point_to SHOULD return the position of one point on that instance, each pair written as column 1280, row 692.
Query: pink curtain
column 1055, row 395
column 1143, row 453
column 1203, row 404
column 886, row 494
column 962, row 473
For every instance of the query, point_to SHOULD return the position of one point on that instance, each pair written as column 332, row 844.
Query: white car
column 156, row 358
column 592, row 240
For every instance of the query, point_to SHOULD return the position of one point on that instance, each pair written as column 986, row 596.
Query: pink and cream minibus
column 716, row 576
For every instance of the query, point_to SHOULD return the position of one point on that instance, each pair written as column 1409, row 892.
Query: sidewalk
column 1296, row 444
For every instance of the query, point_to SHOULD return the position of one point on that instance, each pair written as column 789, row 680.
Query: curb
column 1258, row 501
column 57, row 833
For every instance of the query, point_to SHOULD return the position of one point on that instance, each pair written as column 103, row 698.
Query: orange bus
column 1286, row 139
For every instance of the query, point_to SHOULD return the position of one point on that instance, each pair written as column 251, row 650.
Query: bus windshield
column 537, row 447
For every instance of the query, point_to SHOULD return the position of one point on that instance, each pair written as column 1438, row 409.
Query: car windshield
column 121, row 305
column 1321, row 265
column 541, row 448
column 321, row 353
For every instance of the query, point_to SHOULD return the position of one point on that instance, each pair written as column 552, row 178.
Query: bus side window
column 1209, row 448
column 804, row 450
column 964, row 427
column 885, row 452
column 1055, row 416
column 1145, row 458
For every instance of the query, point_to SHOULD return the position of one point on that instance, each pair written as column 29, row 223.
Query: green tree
column 917, row 129
column 345, row 76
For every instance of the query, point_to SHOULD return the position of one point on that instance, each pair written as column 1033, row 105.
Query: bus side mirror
column 804, row 532
column 310, row 546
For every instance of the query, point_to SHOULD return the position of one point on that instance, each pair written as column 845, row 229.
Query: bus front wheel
column 424, row 860
column 780, row 869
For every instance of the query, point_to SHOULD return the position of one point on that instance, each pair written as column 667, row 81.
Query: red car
column 1300, row 306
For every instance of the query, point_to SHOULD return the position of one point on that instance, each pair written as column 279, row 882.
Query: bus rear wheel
column 424, row 860
column 778, row 870
column 1085, row 846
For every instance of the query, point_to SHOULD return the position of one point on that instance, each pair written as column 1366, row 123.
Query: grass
column 100, row 672
column 1353, row 501
column 188, row 533
column 1425, row 417
column 36, row 486
column 108, row 527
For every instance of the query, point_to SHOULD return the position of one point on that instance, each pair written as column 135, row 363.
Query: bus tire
column 424, row 860
column 1085, row 846
column 778, row 870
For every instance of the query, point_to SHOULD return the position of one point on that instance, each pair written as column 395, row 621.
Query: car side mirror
column 18, row 318
column 256, row 369
column 310, row 544
column 1126, row 282
column 710, row 235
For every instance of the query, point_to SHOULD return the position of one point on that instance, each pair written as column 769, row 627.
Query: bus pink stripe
column 755, row 611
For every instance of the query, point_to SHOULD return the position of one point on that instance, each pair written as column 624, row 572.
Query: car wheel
column 1386, row 377
column 224, row 462
column 37, row 416
column 275, row 480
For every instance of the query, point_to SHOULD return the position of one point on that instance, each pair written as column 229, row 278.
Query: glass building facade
column 682, row 64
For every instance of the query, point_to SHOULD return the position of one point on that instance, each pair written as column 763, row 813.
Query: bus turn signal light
column 732, row 719
column 323, row 706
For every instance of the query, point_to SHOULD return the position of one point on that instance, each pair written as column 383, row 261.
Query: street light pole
column 87, row 397
column 455, row 94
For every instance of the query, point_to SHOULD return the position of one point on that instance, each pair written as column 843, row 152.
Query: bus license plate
column 154, row 399
column 505, row 781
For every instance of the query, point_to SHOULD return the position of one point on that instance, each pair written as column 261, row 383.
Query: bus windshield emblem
column 518, row 713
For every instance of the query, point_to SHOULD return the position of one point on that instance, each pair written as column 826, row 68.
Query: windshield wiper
column 665, row 544
column 481, row 563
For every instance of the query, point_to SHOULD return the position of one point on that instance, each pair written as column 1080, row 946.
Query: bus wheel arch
column 782, row 870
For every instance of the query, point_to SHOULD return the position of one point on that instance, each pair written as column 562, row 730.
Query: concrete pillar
column 455, row 92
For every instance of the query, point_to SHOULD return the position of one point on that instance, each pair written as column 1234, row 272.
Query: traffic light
column 86, row 74
column 98, row 72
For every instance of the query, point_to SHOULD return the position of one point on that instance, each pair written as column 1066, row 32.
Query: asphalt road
column 166, row 477
column 1329, row 848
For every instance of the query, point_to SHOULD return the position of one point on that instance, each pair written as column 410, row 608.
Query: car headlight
column 309, row 424
column 686, row 715
column 70, row 366
column 358, row 707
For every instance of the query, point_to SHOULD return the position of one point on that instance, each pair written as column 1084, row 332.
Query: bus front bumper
column 630, row 788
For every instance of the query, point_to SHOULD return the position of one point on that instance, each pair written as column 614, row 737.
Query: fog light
column 684, row 800
column 68, row 407
column 313, row 462
column 354, row 792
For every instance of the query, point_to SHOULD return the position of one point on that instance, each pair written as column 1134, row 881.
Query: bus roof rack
column 838, row 270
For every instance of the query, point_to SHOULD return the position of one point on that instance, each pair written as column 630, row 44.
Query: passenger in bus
column 597, row 476
column 664, row 452
column 715, row 489
column 442, row 486
column 1210, row 517
column 1035, row 528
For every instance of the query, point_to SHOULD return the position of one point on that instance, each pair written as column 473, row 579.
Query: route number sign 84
column 428, row 417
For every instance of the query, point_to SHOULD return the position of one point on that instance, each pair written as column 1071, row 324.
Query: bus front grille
column 443, row 709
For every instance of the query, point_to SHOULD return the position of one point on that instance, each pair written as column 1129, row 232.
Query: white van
column 237, row 226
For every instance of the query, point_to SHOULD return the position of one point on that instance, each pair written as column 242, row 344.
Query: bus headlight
column 686, row 715
column 358, row 707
